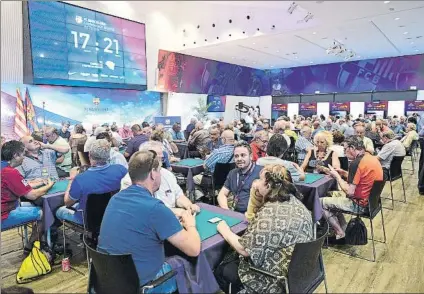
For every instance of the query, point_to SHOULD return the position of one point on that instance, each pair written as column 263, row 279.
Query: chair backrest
column 344, row 163
column 221, row 172
column 94, row 211
column 414, row 145
column 292, row 144
column 396, row 167
column 83, row 158
column 374, row 201
column 112, row 273
column 186, row 135
column 306, row 268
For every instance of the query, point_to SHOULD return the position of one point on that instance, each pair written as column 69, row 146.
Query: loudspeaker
column 240, row 105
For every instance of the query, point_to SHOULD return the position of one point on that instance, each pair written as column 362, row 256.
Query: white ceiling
column 372, row 29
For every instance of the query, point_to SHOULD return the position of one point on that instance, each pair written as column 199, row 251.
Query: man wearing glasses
column 136, row 222
column 258, row 145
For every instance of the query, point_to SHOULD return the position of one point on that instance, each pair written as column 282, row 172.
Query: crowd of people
column 149, row 206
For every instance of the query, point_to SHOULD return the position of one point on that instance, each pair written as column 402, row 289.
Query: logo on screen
column 78, row 19
column 167, row 121
column 96, row 101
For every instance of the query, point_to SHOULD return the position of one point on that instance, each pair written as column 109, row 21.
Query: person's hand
column 188, row 220
column 222, row 227
column 342, row 172
column 49, row 183
column 193, row 208
column 73, row 173
column 333, row 172
column 42, row 145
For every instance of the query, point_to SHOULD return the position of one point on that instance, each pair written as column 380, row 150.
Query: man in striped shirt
column 303, row 143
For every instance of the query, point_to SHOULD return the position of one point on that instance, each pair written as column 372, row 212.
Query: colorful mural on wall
column 384, row 74
column 188, row 74
column 22, row 107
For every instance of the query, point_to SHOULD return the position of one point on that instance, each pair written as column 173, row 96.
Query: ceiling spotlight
column 314, row 33
column 386, row 2
column 397, row 18
column 206, row 40
column 311, row 62
column 253, row 43
column 412, row 43
column 244, row 32
column 308, row 17
column 278, row 51
column 232, row 57
column 272, row 66
column 273, row 27
column 416, row 50
column 292, row 7
column 198, row 26
column 405, row 33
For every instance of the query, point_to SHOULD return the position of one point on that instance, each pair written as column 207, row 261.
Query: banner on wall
column 216, row 103
column 167, row 121
column 414, row 105
column 376, row 106
column 339, row 108
column 308, row 109
column 51, row 105
column 278, row 110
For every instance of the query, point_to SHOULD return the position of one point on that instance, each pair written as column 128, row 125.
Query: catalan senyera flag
column 30, row 113
column 20, row 128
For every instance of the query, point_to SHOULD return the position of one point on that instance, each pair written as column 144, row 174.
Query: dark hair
column 277, row 146
column 136, row 128
column 10, row 149
column 338, row 137
column 38, row 136
column 243, row 144
column 114, row 128
column 355, row 142
column 145, row 124
column 104, row 135
column 141, row 164
column 79, row 129
column 17, row 290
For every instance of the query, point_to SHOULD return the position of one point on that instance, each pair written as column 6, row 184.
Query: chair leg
column 323, row 269
column 64, row 238
column 372, row 239
column 391, row 194
column 403, row 186
column 384, row 229
column 413, row 166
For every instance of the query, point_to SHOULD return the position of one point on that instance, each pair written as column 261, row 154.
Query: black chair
column 110, row 274
column 306, row 269
column 291, row 151
column 374, row 207
column 395, row 173
column 92, row 217
column 412, row 152
column 344, row 163
column 219, row 176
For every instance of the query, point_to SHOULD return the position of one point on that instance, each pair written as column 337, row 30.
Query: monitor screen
column 73, row 46
column 216, row 103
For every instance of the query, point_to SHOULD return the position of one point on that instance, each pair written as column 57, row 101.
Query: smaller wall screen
column 216, row 103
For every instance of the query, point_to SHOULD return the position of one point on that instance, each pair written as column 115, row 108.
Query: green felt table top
column 189, row 162
column 311, row 178
column 207, row 229
column 59, row 186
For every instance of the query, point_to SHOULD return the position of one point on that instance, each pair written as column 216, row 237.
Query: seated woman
column 411, row 135
column 289, row 222
column 338, row 139
column 321, row 155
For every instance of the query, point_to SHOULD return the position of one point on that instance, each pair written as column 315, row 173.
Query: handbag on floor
column 356, row 232
column 35, row 265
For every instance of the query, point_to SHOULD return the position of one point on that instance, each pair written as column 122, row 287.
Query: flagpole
column 44, row 114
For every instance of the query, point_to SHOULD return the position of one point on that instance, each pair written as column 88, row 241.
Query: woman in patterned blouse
column 280, row 221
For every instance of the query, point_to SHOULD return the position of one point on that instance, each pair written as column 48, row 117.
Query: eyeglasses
column 263, row 141
column 153, row 159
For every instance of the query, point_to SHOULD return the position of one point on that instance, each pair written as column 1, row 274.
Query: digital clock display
column 74, row 46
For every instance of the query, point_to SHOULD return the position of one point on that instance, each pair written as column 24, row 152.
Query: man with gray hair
column 303, row 143
column 100, row 178
column 391, row 148
column 92, row 138
column 64, row 161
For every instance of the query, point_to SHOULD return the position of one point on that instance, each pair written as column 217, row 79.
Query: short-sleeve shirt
column 137, row 223
column 256, row 152
column 96, row 180
column 363, row 172
column 294, row 173
column 67, row 160
column 169, row 191
column 65, row 135
column 134, row 144
column 42, row 167
column 13, row 186
column 223, row 154
column 239, row 185
column 116, row 157
column 389, row 150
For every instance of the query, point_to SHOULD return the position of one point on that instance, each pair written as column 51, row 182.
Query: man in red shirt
column 259, row 144
column 13, row 186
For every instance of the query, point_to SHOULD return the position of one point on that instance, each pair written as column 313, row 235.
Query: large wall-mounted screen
column 73, row 46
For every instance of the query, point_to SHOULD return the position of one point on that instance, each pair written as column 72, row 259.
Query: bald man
column 198, row 140
column 368, row 144
column 224, row 154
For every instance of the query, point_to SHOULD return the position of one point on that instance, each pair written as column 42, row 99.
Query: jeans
column 169, row 286
column 22, row 214
column 70, row 215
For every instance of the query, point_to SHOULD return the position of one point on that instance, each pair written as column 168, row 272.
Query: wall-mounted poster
column 416, row 106
column 339, row 108
column 167, row 121
column 377, row 108
column 278, row 110
column 216, row 103
column 308, row 109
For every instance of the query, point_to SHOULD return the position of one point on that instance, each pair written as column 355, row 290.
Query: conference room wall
column 265, row 103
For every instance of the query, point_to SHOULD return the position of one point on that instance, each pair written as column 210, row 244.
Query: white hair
column 150, row 145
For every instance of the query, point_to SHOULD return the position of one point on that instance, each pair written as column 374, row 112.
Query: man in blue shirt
column 176, row 133
column 214, row 135
column 239, row 180
column 135, row 222
column 100, row 178
column 139, row 138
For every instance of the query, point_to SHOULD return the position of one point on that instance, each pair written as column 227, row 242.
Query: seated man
column 40, row 159
column 275, row 151
column 116, row 157
column 280, row 128
column 146, row 224
column 64, row 161
column 215, row 138
column 303, row 143
column 100, row 178
column 13, row 186
column 139, row 137
column 223, row 154
column 239, row 180
column 368, row 144
column 364, row 170
column 411, row 135
column 198, row 141
column 258, row 145
column 392, row 147
column 96, row 130
column 176, row 133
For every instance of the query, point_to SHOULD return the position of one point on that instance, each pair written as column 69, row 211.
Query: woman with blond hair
column 288, row 222
column 321, row 155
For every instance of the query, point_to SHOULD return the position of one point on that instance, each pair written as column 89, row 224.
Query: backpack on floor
column 356, row 232
column 35, row 265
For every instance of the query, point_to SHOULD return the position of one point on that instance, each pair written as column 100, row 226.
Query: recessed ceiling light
column 386, row 2
column 233, row 57
column 397, row 18
column 295, row 57
column 405, row 33
column 272, row 66
column 311, row 62
column 359, row 56
column 253, row 43
column 416, row 50
column 314, row 33
column 278, row 51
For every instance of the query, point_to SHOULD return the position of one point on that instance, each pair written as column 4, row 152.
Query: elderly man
column 176, row 133
column 139, row 137
column 317, row 128
column 364, row 170
column 280, row 128
column 391, row 148
column 192, row 125
column 125, row 133
column 100, row 178
column 115, row 134
column 411, row 135
column 303, row 143
column 368, row 144
column 116, row 157
column 259, row 144
column 198, row 140
column 40, row 159
column 64, row 161
column 92, row 138
column 215, row 136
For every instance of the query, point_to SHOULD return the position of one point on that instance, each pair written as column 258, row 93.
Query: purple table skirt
column 189, row 172
column 195, row 275
column 51, row 202
column 312, row 193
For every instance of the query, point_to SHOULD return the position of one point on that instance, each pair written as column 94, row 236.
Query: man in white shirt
column 368, row 144
column 391, row 148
